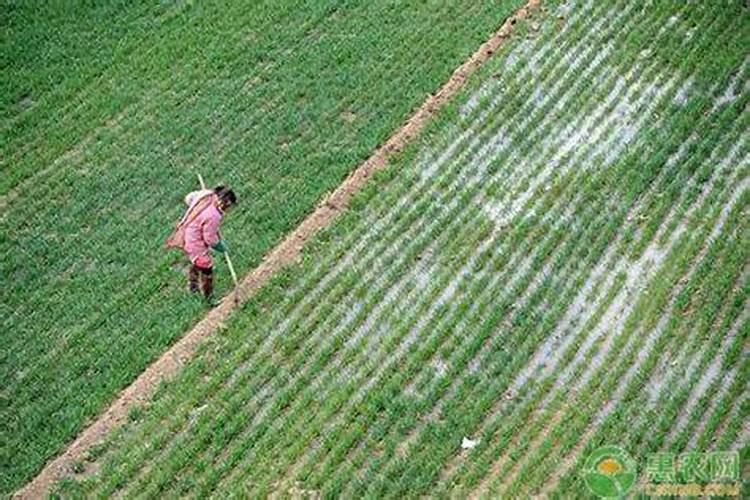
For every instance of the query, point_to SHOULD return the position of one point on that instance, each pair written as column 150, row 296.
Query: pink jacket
column 203, row 230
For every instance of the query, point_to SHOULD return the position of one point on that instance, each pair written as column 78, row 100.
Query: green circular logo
column 609, row 472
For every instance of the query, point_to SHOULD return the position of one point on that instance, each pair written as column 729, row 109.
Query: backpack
column 177, row 238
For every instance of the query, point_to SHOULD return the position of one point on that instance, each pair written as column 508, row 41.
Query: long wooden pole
column 227, row 258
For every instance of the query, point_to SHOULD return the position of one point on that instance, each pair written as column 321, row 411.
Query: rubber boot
column 193, row 274
column 207, row 280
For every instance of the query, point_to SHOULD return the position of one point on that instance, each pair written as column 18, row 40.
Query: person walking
column 197, row 234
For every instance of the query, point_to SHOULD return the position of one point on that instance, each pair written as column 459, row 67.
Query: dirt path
column 282, row 255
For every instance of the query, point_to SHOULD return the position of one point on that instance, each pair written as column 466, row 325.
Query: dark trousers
column 206, row 278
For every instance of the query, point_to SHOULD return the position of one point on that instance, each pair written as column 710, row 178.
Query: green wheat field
column 558, row 262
